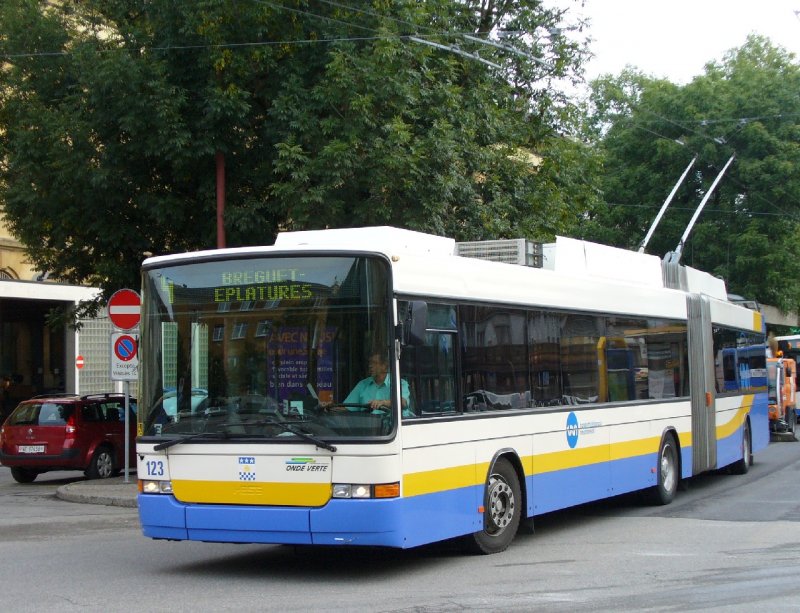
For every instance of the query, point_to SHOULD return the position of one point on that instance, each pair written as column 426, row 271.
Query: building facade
column 37, row 357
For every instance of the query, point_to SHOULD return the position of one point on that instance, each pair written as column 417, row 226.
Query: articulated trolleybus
column 511, row 390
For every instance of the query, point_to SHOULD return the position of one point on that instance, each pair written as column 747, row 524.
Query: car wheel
column 102, row 464
column 23, row 475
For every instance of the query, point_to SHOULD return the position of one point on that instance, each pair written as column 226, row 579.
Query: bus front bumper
column 340, row 522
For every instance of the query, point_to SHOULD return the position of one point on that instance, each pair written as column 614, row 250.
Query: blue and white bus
column 515, row 391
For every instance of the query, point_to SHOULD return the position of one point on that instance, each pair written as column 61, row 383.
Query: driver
column 375, row 390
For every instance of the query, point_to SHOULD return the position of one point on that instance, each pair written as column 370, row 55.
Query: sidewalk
column 113, row 492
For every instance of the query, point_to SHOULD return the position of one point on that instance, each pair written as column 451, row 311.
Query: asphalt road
column 728, row 543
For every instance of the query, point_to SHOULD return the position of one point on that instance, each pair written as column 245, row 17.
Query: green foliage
column 649, row 130
column 113, row 111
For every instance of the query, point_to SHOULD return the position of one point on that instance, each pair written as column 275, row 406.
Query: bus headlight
column 155, row 487
column 356, row 490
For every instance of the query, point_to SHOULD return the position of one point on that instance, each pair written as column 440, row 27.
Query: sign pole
column 127, row 430
column 124, row 311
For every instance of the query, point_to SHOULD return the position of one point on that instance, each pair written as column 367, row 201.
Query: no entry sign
column 124, row 309
column 79, row 362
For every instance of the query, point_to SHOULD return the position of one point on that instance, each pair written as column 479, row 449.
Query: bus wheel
column 502, row 511
column 667, row 471
column 741, row 466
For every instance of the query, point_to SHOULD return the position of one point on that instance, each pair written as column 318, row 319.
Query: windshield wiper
column 184, row 439
column 288, row 427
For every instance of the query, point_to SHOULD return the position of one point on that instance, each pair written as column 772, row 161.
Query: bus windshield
column 262, row 347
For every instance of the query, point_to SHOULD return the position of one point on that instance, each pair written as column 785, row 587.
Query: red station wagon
column 68, row 432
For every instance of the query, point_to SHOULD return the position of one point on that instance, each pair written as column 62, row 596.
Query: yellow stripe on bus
column 632, row 449
column 569, row 458
column 728, row 429
column 431, row 481
column 235, row 492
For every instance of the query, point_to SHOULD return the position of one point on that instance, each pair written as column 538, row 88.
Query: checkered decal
column 247, row 473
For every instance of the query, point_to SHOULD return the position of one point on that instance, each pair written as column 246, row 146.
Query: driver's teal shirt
column 368, row 390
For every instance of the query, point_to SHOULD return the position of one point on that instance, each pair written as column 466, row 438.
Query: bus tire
column 667, row 472
column 741, row 466
column 502, row 511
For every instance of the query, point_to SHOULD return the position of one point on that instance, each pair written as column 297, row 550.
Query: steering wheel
column 361, row 407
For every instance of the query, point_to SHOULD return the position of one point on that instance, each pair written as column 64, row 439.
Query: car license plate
column 31, row 448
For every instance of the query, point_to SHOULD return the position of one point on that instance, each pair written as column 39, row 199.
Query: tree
column 649, row 130
column 327, row 113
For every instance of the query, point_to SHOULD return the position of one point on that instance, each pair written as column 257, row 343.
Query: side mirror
column 416, row 323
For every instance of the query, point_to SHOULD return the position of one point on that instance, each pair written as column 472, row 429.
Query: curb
column 119, row 496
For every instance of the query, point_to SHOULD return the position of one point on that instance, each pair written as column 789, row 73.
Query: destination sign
column 267, row 284
column 265, row 281
column 250, row 277
column 276, row 291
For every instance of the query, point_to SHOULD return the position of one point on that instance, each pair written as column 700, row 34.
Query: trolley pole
column 664, row 207
column 675, row 256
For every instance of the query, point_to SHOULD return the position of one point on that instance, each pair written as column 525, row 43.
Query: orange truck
column 781, row 390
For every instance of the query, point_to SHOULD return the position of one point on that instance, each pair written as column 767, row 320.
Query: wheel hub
column 501, row 505
column 667, row 472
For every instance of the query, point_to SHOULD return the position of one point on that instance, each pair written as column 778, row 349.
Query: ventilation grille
column 511, row 251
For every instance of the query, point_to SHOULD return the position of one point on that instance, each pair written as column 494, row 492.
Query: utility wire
column 755, row 195
column 209, row 46
column 418, row 38
column 310, row 14
column 722, row 141
column 378, row 15
column 707, row 121
column 653, row 207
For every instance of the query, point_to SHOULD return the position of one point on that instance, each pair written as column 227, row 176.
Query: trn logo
column 572, row 430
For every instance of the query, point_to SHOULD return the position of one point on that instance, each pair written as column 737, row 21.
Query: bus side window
column 436, row 380
column 494, row 359
column 430, row 369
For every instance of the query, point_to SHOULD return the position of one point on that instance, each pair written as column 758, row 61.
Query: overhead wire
column 310, row 14
column 740, row 122
column 374, row 14
column 716, row 140
column 654, row 207
column 208, row 46
column 413, row 37
column 707, row 121
column 274, row 5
